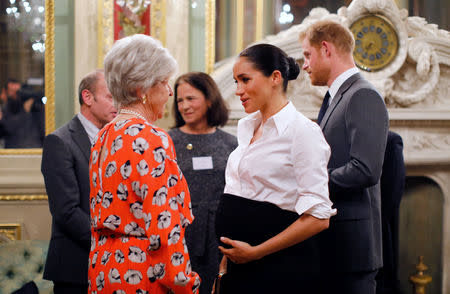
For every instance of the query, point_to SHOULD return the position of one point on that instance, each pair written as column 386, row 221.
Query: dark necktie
column 323, row 108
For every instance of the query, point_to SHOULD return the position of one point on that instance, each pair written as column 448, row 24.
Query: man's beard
column 320, row 77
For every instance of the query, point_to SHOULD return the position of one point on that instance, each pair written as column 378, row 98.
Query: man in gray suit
column 354, row 120
column 65, row 166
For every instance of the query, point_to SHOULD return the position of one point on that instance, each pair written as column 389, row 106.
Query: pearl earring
column 144, row 99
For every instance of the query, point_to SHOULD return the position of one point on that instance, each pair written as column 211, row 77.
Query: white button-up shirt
column 89, row 127
column 286, row 166
column 339, row 81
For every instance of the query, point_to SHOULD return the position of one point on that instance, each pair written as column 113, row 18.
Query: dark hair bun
column 294, row 69
column 267, row 58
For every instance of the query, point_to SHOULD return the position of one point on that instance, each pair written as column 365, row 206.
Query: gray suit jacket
column 355, row 126
column 65, row 166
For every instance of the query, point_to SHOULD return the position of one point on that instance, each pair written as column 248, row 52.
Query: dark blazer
column 65, row 166
column 355, row 126
column 392, row 186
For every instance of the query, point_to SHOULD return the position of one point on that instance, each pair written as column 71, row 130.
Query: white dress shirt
column 286, row 166
column 337, row 83
column 89, row 127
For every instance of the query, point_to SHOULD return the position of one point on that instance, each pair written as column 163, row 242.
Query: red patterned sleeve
column 167, row 213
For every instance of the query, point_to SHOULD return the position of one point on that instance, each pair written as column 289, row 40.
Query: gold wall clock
column 376, row 42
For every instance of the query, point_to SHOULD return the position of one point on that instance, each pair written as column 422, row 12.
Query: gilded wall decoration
column 10, row 232
column 22, row 197
column 50, row 66
column 119, row 18
column 210, row 22
column 105, row 29
column 131, row 17
column 158, row 20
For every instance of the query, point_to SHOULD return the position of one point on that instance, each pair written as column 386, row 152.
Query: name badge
column 204, row 162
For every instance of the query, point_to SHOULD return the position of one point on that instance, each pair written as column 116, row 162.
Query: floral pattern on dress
column 140, row 207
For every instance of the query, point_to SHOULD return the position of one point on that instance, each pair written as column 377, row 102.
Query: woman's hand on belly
column 240, row 252
column 303, row 228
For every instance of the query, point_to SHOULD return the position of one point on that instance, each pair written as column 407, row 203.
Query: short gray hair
column 136, row 62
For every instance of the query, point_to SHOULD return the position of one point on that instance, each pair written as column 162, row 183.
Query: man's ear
column 326, row 48
column 88, row 97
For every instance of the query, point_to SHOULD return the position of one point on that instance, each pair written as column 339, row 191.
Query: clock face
column 376, row 42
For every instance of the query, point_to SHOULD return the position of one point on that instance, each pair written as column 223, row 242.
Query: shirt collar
column 246, row 127
column 280, row 120
column 283, row 117
column 89, row 127
column 340, row 80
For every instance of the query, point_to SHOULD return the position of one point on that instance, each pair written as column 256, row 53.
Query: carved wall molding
column 426, row 146
column 23, row 197
column 425, row 141
column 19, row 175
column 33, row 216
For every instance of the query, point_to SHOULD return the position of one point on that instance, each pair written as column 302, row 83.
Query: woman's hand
column 240, row 252
column 303, row 228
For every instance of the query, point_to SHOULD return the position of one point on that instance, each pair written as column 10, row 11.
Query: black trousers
column 68, row 288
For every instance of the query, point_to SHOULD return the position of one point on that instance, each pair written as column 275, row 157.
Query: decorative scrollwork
column 428, row 142
column 427, row 74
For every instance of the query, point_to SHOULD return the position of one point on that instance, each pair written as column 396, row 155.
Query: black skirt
column 292, row 270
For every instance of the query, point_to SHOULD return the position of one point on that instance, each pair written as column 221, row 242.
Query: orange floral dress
column 140, row 207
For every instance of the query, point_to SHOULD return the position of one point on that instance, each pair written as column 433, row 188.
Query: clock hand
column 371, row 43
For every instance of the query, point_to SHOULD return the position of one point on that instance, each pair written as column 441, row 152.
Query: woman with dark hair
column 276, row 194
column 202, row 152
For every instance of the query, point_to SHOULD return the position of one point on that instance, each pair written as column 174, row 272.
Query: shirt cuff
column 315, row 207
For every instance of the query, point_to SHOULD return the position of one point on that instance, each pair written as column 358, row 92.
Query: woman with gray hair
column 140, row 202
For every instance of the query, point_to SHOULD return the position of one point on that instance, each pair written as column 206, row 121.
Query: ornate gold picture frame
column 105, row 25
column 49, row 79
